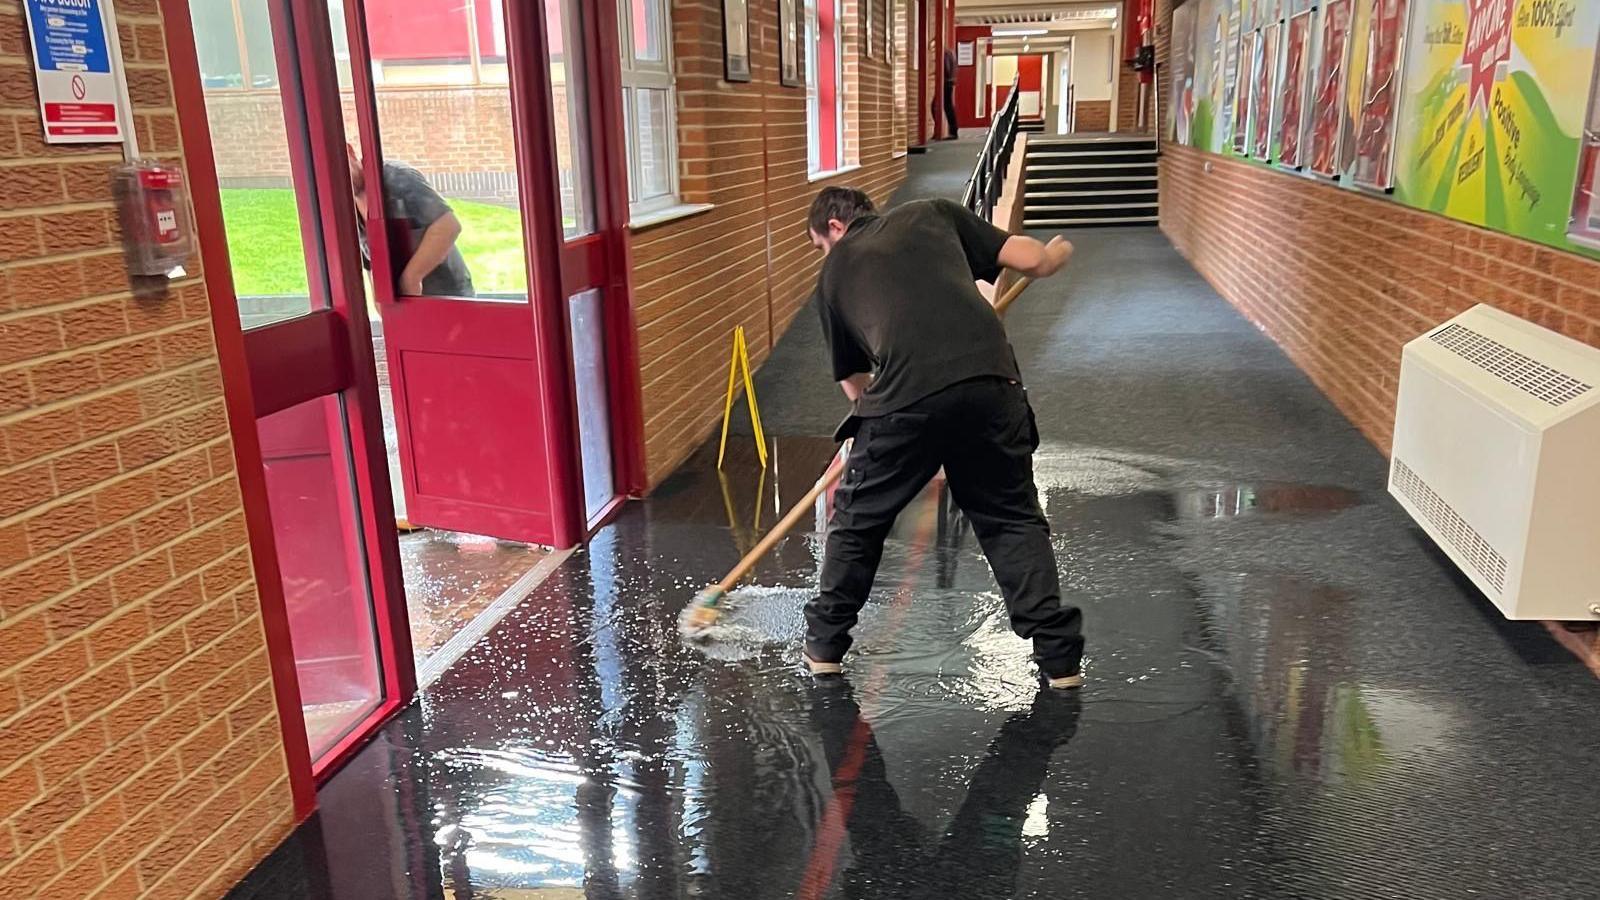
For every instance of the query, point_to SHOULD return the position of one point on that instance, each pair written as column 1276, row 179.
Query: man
column 950, row 94
column 934, row 383
column 422, row 231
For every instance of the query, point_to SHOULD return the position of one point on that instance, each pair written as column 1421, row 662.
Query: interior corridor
column 1290, row 692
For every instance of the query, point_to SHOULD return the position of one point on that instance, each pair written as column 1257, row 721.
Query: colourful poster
column 1233, row 49
column 1249, row 50
column 1381, row 95
column 1496, row 102
column 1585, row 229
column 1291, row 98
column 1355, row 81
column 1183, row 38
column 1210, row 58
column 1327, row 88
column 1261, row 113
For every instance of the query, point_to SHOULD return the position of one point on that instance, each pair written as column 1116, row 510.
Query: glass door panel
column 316, row 525
column 564, row 28
column 586, row 313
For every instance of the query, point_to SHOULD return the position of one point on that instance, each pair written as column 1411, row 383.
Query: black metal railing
column 989, row 175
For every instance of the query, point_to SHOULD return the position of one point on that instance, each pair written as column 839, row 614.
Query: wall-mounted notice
column 1210, row 62
column 78, row 92
column 1249, row 52
column 1292, row 97
column 1233, row 49
column 1496, row 102
column 966, row 53
column 1380, row 95
column 1183, row 102
column 1327, row 88
column 1266, row 84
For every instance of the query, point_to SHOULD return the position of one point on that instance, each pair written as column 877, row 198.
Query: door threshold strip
column 452, row 650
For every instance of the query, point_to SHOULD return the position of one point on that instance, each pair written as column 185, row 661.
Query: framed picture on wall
column 791, row 64
column 1266, row 83
column 1243, row 91
column 736, row 40
column 1292, row 91
column 1380, row 95
column 1328, row 89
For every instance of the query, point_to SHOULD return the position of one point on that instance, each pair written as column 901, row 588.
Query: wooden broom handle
column 835, row 469
column 793, row 516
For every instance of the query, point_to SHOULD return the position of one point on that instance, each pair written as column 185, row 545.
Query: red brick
column 80, row 610
column 42, row 434
column 32, row 185
column 29, row 337
column 67, row 232
column 101, row 553
column 61, row 379
column 35, row 583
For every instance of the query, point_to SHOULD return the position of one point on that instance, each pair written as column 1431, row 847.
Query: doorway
column 415, row 257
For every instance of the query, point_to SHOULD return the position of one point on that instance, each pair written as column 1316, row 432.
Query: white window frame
column 649, row 75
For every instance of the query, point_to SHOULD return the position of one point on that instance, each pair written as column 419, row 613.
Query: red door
column 484, row 388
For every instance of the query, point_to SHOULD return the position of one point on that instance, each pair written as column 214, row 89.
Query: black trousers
column 982, row 432
column 950, row 108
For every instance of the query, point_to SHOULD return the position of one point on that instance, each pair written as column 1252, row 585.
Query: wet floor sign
column 739, row 363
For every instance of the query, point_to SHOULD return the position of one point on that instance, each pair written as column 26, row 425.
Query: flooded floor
column 1290, row 693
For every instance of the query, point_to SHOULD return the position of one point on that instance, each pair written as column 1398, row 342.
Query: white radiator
column 1497, row 457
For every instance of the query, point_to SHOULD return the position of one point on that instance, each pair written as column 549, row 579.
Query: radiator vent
column 1525, row 373
column 1450, row 526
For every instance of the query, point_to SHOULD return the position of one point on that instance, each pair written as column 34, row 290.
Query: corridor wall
column 746, row 260
column 1475, row 186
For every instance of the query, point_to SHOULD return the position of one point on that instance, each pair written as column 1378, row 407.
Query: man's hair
column 842, row 203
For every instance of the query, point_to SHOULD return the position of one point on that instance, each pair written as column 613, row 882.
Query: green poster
column 1493, row 111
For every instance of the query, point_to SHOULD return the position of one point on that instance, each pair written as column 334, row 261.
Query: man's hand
column 410, row 285
column 856, row 385
column 1033, row 259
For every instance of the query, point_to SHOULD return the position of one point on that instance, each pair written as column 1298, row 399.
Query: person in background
column 422, row 228
column 950, row 94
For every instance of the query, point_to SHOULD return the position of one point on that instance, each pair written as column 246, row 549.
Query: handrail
column 983, row 188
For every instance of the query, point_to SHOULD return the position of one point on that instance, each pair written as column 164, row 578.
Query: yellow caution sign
column 740, row 363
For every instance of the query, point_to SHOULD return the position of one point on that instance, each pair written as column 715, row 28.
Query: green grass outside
column 267, row 256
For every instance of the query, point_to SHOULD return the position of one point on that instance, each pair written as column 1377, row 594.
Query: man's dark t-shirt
column 410, row 206
column 898, row 299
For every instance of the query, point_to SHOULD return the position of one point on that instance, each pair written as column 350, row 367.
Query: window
column 649, row 106
column 234, row 44
column 824, row 100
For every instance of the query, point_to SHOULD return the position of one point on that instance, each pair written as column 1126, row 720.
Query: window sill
column 823, row 176
column 670, row 214
column 899, row 154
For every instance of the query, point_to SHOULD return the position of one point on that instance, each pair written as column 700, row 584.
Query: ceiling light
column 1022, row 32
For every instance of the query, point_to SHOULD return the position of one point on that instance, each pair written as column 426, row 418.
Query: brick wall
column 1341, row 280
column 745, row 262
column 140, row 752
column 460, row 137
column 1092, row 115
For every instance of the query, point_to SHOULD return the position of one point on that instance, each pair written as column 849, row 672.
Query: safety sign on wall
column 72, row 64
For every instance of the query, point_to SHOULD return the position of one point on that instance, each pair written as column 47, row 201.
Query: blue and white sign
column 73, row 66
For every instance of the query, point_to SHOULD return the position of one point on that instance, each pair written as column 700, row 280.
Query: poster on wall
column 1249, row 52
column 1266, row 82
column 1230, row 123
column 1183, row 37
column 1585, row 226
column 1327, row 89
column 1355, row 67
column 1381, row 94
column 1210, row 60
column 1293, row 95
column 1496, row 100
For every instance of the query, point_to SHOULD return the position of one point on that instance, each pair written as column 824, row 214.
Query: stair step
column 1086, row 166
column 1054, row 144
column 1065, row 223
column 1130, row 208
column 1131, row 192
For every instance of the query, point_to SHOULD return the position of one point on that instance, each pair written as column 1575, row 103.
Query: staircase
column 1086, row 182
column 1030, row 126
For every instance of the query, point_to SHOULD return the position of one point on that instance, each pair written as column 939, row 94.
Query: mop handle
column 804, row 504
column 796, row 512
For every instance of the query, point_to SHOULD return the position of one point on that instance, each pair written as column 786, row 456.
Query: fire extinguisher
column 1144, row 59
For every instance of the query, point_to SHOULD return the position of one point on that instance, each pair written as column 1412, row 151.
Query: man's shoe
column 1065, row 682
column 819, row 668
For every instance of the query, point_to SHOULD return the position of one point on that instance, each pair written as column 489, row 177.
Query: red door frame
column 327, row 351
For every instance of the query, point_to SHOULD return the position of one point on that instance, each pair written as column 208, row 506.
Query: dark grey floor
column 1290, row 694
